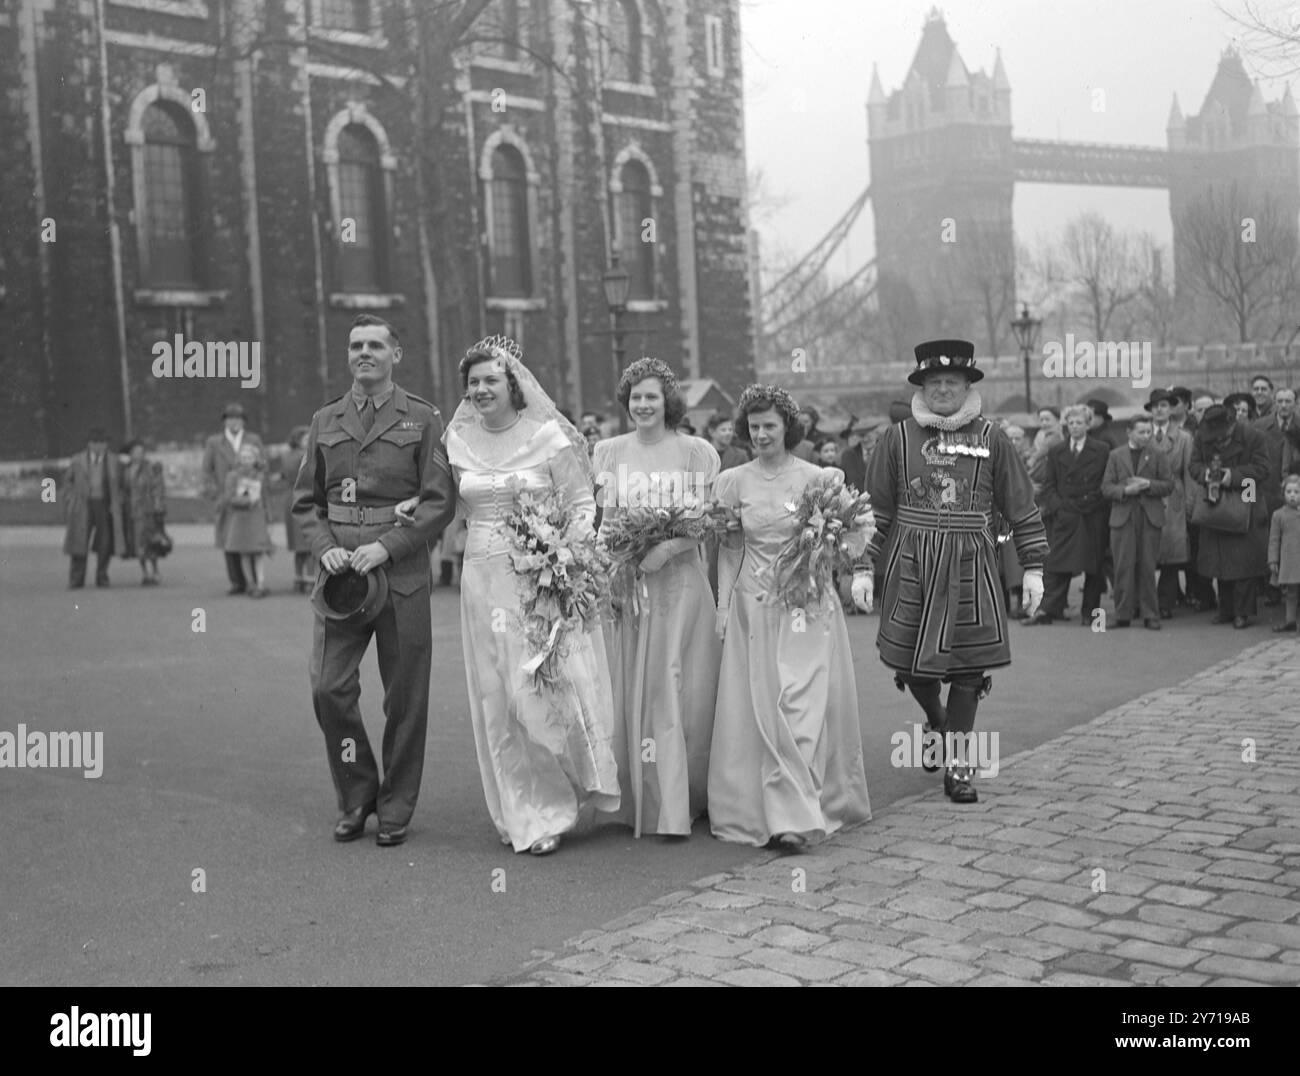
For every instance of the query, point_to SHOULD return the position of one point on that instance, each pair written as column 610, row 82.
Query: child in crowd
column 248, row 523
column 1284, row 550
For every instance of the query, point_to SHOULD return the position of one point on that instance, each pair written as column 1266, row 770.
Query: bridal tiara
column 500, row 346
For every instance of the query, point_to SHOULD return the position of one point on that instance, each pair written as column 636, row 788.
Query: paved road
column 1114, row 855
column 213, row 762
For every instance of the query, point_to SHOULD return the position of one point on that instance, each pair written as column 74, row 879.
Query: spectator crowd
column 1191, row 505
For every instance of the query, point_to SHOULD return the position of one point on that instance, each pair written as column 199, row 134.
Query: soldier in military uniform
column 373, row 447
column 936, row 480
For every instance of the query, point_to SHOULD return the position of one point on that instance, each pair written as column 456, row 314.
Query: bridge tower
column 942, row 175
column 1236, row 137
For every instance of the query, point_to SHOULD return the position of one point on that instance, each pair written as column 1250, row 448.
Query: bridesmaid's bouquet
column 626, row 537
column 833, row 524
column 562, row 573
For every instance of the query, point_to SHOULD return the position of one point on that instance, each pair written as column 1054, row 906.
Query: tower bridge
column 941, row 149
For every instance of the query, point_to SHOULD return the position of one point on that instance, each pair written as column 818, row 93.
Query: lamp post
column 616, row 283
column 1026, row 330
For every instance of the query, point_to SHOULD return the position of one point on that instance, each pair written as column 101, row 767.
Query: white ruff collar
column 928, row 419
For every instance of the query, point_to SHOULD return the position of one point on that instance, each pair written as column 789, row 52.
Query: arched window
column 624, row 42
column 363, row 252
column 635, row 205
column 169, row 221
column 511, row 273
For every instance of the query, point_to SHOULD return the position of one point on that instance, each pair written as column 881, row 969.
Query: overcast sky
column 819, row 53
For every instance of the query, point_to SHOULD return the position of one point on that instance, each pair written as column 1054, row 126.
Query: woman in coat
column 1231, row 454
column 144, row 494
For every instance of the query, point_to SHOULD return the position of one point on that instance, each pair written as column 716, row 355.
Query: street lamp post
column 616, row 283
column 1026, row 330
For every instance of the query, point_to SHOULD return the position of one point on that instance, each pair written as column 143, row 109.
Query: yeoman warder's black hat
column 957, row 356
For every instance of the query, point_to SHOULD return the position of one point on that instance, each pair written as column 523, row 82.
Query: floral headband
column 644, row 368
column 765, row 398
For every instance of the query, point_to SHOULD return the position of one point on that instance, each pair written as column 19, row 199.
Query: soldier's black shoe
column 352, row 824
column 1038, row 618
column 958, row 784
column 391, row 834
column 237, row 589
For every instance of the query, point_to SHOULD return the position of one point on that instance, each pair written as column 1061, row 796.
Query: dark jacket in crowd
column 1282, row 454
column 1243, row 451
column 1112, row 433
column 1074, row 509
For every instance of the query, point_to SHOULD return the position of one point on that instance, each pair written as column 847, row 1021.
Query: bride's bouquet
column 833, row 524
column 562, row 575
column 626, row 537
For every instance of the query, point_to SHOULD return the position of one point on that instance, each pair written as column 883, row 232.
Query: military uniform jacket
column 400, row 457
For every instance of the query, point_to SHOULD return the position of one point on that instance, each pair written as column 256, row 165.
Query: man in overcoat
column 220, row 456
column 1175, row 445
column 1075, row 514
column 92, row 506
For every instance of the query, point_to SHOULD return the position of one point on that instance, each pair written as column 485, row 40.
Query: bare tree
column 1240, row 251
column 1154, row 312
column 984, row 275
column 1102, row 265
column 1270, row 33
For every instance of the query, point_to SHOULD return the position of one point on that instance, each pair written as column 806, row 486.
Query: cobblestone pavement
column 1149, row 846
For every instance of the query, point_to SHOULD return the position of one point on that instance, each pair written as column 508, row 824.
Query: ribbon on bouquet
column 535, row 662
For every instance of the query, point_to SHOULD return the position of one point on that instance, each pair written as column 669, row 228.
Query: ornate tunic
column 935, row 494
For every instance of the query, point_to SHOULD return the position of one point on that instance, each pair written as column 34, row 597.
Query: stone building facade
column 180, row 174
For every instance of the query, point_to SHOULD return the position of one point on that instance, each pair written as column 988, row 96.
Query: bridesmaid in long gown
column 786, row 764
column 663, row 654
column 542, row 756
